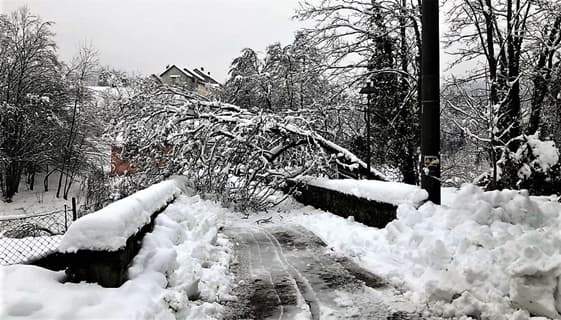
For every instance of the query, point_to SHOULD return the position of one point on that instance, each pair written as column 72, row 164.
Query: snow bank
column 202, row 263
column 110, row 227
column 182, row 259
column 388, row 192
column 485, row 255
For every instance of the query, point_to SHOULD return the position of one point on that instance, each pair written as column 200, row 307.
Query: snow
column 30, row 202
column 342, row 152
column 489, row 255
column 183, row 259
column 547, row 155
column 388, row 192
column 482, row 254
column 110, row 227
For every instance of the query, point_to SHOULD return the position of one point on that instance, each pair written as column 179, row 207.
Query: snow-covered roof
column 194, row 75
column 206, row 76
column 184, row 71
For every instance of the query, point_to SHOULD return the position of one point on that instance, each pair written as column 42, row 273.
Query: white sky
column 145, row 35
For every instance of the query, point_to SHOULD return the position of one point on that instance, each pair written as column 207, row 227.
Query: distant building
column 196, row 80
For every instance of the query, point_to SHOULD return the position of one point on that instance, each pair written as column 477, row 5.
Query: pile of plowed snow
column 490, row 255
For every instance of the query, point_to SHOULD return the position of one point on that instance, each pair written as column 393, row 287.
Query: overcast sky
column 145, row 35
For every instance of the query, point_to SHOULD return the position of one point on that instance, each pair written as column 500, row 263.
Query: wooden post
column 74, row 213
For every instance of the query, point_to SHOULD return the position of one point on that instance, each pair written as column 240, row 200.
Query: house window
column 174, row 78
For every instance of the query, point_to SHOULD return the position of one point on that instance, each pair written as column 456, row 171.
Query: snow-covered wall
column 373, row 203
column 394, row 193
column 109, row 228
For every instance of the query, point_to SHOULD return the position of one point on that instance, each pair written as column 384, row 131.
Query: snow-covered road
column 287, row 272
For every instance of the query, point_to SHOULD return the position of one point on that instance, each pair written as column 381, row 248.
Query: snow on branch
column 229, row 150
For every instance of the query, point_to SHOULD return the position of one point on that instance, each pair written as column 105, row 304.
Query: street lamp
column 368, row 90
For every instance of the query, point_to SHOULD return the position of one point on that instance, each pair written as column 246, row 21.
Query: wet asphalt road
column 286, row 272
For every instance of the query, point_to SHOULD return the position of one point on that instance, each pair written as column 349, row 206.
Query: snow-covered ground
column 180, row 272
column 489, row 255
column 29, row 202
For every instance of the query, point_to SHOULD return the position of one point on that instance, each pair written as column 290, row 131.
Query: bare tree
column 30, row 92
column 377, row 42
column 79, row 72
column 516, row 49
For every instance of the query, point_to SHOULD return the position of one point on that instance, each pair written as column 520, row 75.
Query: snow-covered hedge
column 490, row 255
column 386, row 192
column 109, row 228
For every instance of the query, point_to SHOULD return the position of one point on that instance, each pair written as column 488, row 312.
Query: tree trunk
column 13, row 177
column 46, row 179
column 407, row 169
column 31, row 179
column 542, row 77
column 59, row 187
column 513, row 111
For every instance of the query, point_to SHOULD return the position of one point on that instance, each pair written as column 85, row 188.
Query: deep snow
column 483, row 254
column 489, row 255
column 30, row 202
column 184, row 259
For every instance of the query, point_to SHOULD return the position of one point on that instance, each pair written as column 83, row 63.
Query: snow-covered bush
column 534, row 166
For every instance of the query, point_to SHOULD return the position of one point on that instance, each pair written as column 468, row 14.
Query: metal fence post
column 74, row 214
column 65, row 218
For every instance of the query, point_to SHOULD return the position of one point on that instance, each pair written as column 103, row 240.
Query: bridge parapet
column 99, row 247
column 373, row 203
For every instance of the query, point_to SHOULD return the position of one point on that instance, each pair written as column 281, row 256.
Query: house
column 196, row 80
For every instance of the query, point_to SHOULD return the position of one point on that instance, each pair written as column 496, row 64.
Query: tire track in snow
column 286, row 272
column 265, row 289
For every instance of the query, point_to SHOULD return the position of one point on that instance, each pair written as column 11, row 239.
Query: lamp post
column 430, row 101
column 368, row 90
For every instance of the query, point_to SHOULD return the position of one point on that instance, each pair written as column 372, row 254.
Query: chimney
column 209, row 73
column 202, row 69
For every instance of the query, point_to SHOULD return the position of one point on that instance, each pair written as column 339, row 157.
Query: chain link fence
column 31, row 236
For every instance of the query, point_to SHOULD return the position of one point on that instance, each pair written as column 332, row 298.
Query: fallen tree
column 241, row 155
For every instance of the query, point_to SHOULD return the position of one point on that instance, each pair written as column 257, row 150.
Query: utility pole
column 430, row 101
